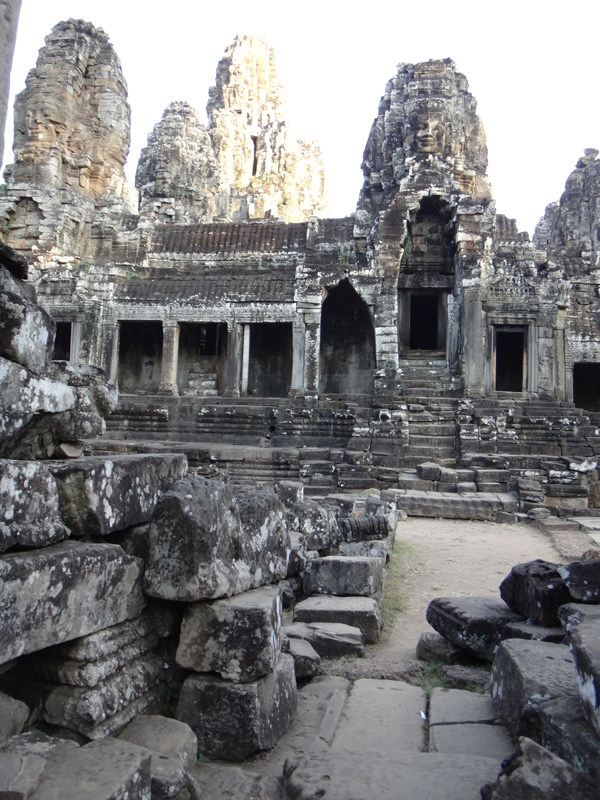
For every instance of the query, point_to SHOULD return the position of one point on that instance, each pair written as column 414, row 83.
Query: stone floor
column 372, row 739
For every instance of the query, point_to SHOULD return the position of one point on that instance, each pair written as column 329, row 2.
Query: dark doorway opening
column 347, row 351
column 201, row 358
column 62, row 342
column 424, row 325
column 510, row 360
column 270, row 367
column 140, row 356
column 586, row 386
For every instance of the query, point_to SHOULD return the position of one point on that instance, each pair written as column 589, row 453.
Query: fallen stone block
column 585, row 647
column 238, row 637
column 26, row 398
column 527, row 630
column 306, row 658
column 351, row 774
column 29, row 510
column 318, row 526
column 375, row 548
column 329, row 639
column 564, row 730
column 26, row 332
column 297, row 559
column 534, row 773
column 99, row 495
column 359, row 612
column 202, row 549
column 582, row 579
column 474, row 623
column 65, row 591
column 469, row 678
column 290, row 492
column 83, row 709
column 13, row 716
column 453, row 706
column 173, row 747
column 341, row 575
column 535, row 590
column 572, row 614
column 361, row 529
column 233, row 720
column 343, row 504
column 526, row 674
column 434, row 648
column 429, row 471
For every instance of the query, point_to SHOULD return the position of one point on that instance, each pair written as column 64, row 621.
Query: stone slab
column 368, row 773
column 526, row 674
column 491, row 741
column 329, row 639
column 342, row 576
column 102, row 770
column 572, row 614
column 233, row 720
column 474, row 623
column 380, row 712
column 358, row 612
column 476, row 505
column 434, row 648
column 238, row 637
column 306, row 658
column 100, row 495
column 19, row 775
column 65, row 591
column 375, row 548
column 26, row 332
column 451, row 706
column 29, row 510
column 206, row 544
column 564, row 730
column 527, row 630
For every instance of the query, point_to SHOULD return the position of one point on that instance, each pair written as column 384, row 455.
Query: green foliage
column 407, row 247
column 3, row 189
column 30, row 723
column 433, row 677
column 342, row 256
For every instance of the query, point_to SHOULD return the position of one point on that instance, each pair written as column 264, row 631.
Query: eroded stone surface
column 29, row 507
column 341, row 575
column 100, row 495
column 238, row 637
column 358, row 612
column 535, row 591
column 203, row 546
column 233, row 720
column 585, row 647
column 47, row 594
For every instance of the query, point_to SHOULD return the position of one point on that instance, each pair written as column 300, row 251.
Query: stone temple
column 290, row 388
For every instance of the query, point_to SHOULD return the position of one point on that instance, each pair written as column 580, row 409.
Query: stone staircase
column 426, row 376
column 201, row 384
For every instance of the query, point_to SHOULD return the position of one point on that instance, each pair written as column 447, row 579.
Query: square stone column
column 233, row 364
column 312, row 343
column 170, row 355
column 298, row 351
column 245, row 359
column 110, row 349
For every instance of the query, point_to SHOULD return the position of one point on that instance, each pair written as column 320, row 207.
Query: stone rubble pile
column 541, row 637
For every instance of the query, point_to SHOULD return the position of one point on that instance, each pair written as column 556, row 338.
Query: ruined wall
column 9, row 13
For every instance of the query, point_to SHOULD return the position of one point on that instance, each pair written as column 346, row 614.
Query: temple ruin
column 218, row 401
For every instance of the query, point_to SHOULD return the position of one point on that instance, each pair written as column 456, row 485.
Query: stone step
column 450, row 505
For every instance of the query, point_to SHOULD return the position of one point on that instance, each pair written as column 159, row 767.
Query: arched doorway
column 347, row 351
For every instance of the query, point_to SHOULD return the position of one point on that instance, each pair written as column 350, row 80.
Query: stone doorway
column 510, row 359
column 586, row 386
column 270, row 359
column 347, row 350
column 423, row 321
column 62, row 342
column 201, row 358
column 140, row 356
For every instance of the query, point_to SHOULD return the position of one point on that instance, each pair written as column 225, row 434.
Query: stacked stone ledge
column 541, row 638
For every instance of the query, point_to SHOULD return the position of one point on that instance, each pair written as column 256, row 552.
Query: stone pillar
column 312, row 342
column 170, row 354
column 246, row 359
column 233, row 365
column 110, row 349
column 9, row 14
column 473, row 352
column 75, row 341
column 298, row 350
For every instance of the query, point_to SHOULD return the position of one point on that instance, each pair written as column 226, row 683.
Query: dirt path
column 438, row 557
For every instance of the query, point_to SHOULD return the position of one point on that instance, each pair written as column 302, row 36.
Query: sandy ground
column 439, row 558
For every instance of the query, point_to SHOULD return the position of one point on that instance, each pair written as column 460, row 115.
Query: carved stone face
column 430, row 136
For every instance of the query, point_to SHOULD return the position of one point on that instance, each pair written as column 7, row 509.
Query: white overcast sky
column 533, row 66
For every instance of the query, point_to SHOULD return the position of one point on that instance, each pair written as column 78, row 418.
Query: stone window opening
column 254, row 155
column 586, row 385
column 510, row 359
